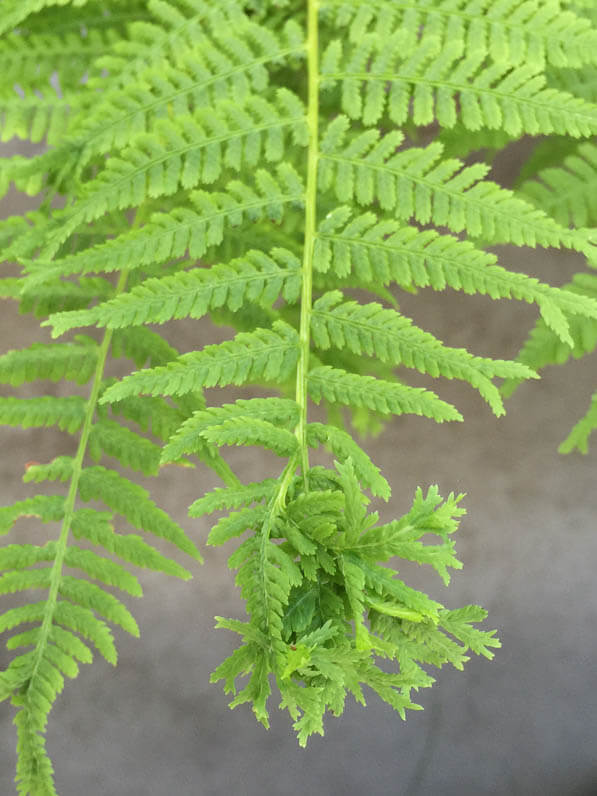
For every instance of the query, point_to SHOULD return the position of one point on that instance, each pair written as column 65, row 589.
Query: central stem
column 310, row 229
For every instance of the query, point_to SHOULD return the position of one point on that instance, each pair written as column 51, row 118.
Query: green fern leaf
column 255, row 277
column 188, row 438
column 200, row 147
column 235, row 524
column 523, row 32
column 232, row 497
column 578, row 439
column 416, row 183
column 568, row 193
column 88, row 595
column 59, row 469
column 245, row 430
column 262, row 354
column 343, row 446
column 48, row 508
column 131, row 450
column 373, row 330
column 351, row 389
column 74, row 361
column 386, row 251
column 170, row 235
column 457, row 622
column 133, row 502
column 96, row 527
column 434, row 74
column 67, row 413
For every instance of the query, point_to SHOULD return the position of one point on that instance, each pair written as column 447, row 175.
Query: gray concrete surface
column 521, row 725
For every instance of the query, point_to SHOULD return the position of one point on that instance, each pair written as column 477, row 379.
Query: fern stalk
column 310, row 228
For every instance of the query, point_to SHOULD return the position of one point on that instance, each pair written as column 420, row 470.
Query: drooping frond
column 544, row 348
column 370, row 329
column 248, row 160
column 385, row 251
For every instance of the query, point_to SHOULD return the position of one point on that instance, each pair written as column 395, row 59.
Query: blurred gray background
column 524, row 723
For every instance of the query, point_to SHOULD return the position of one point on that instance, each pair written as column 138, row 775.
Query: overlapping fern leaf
column 273, row 158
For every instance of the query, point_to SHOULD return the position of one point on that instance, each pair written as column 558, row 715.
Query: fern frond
column 252, row 431
column 229, row 61
column 351, row 389
column 131, row 449
column 344, row 447
column 264, row 354
column 143, row 346
column 401, row 537
column 265, row 576
column 521, row 32
column 134, row 503
column 544, row 348
column 15, row 11
column 370, row 329
column 447, row 84
column 59, row 469
column 191, row 294
column 384, row 251
column 48, row 508
column 280, row 411
column 67, row 413
column 578, row 439
column 458, row 621
column 33, row 118
column 235, row 524
column 416, row 183
column 170, row 235
column 103, row 569
column 60, row 296
column 31, row 59
column 232, row 497
column 88, row 595
column 154, row 415
column 96, row 527
column 568, row 193
column 193, row 151
column 74, row 361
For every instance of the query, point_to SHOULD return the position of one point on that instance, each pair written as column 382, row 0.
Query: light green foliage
column 252, row 162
